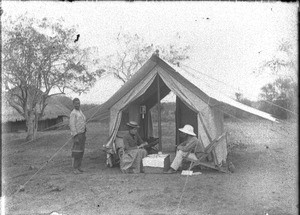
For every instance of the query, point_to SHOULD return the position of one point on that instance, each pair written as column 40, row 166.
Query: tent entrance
column 184, row 115
column 149, row 122
column 133, row 111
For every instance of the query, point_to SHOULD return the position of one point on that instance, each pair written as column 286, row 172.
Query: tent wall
column 212, row 120
column 132, row 113
column 221, row 149
column 120, row 105
column 208, row 127
column 192, row 103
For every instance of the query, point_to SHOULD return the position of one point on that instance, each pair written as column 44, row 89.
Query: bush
column 235, row 112
column 276, row 108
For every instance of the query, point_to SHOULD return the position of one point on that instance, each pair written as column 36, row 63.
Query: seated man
column 189, row 148
column 131, row 161
column 151, row 148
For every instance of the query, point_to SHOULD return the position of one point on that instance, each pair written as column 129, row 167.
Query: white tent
column 201, row 108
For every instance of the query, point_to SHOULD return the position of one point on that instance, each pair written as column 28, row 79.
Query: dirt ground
column 265, row 180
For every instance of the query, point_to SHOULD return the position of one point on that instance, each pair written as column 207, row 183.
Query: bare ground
column 265, row 180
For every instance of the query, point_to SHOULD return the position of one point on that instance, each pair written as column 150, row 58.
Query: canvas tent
column 201, row 108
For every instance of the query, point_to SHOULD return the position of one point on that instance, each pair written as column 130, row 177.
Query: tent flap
column 116, row 109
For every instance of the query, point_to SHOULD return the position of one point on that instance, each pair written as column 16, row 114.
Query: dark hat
column 133, row 124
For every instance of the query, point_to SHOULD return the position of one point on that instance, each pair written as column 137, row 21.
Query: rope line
column 247, row 122
column 231, row 114
column 23, row 186
column 59, row 129
column 45, row 164
column 93, row 116
column 208, row 85
column 182, row 192
column 59, row 126
column 271, row 103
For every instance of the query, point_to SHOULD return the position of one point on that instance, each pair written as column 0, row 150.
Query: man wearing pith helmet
column 189, row 148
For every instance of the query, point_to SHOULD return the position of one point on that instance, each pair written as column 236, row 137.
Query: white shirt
column 77, row 122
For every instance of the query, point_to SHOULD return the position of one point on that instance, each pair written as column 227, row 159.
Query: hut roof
column 53, row 109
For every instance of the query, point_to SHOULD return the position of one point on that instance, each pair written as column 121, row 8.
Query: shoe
column 170, row 171
column 76, row 172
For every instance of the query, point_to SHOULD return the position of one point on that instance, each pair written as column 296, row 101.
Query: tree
column 132, row 52
column 284, row 90
column 40, row 59
column 238, row 96
column 269, row 92
column 283, row 62
column 239, row 113
column 278, row 96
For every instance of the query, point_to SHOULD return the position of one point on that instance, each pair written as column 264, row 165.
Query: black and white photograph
column 149, row 108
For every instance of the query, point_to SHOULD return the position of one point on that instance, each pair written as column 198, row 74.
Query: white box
column 156, row 163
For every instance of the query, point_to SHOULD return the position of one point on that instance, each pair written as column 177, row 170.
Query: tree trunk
column 31, row 126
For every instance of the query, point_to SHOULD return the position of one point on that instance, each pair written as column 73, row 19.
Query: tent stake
column 159, row 116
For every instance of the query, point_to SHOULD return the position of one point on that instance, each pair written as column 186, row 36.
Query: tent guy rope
column 59, row 126
column 21, row 187
column 238, row 90
column 182, row 192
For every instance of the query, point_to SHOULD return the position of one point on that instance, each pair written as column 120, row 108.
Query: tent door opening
column 184, row 115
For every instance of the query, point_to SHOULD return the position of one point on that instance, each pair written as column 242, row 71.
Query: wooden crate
column 154, row 169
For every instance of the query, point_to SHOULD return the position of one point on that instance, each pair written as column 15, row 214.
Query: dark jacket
column 132, row 141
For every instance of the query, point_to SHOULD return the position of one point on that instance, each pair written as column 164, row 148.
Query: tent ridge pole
column 159, row 114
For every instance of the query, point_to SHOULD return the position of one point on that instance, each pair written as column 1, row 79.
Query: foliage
column 283, row 92
column 234, row 112
column 39, row 58
column 278, row 97
column 132, row 52
column 283, row 62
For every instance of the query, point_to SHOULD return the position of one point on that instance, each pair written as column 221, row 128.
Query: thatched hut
column 54, row 113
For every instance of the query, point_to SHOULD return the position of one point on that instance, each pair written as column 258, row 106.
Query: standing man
column 78, row 129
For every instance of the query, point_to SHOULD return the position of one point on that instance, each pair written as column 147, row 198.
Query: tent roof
column 208, row 95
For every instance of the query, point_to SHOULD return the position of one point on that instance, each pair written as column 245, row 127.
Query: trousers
column 78, row 150
column 177, row 162
column 76, row 162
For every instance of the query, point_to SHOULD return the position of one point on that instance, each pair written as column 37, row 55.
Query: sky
column 229, row 40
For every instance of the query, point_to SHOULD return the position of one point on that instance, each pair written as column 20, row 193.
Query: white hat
column 188, row 129
column 133, row 124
